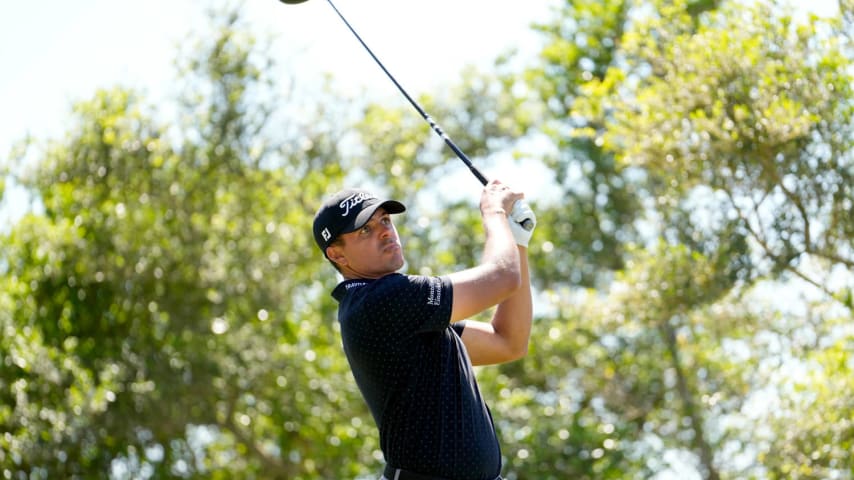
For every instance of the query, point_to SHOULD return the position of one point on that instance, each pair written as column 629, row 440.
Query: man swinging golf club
column 404, row 336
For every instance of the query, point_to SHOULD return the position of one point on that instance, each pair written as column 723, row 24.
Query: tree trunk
column 699, row 443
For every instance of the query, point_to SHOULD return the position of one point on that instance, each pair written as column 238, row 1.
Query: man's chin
column 398, row 262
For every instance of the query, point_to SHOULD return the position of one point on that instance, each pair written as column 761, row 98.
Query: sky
column 55, row 53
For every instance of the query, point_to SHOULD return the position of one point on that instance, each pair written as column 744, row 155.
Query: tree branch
column 769, row 251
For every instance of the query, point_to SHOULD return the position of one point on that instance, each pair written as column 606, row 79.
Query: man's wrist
column 494, row 212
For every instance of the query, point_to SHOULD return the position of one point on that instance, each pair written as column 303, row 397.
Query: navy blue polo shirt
column 416, row 377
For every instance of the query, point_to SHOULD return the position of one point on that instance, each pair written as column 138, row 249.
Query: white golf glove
column 522, row 212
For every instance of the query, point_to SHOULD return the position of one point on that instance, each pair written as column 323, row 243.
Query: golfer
column 404, row 336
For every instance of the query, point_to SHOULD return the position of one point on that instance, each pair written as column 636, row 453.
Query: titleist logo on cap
column 353, row 200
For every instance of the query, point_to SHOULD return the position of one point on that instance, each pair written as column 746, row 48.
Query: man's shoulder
column 367, row 286
column 400, row 282
column 390, row 288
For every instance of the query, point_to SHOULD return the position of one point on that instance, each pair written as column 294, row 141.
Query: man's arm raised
column 505, row 338
column 501, row 279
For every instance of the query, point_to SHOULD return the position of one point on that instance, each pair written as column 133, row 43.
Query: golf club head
column 293, row 2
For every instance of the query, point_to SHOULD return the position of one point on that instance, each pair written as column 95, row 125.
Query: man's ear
column 336, row 254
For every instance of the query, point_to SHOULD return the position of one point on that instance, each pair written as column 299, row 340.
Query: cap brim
column 390, row 206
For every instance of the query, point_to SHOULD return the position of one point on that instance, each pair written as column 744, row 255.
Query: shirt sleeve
column 417, row 303
column 459, row 327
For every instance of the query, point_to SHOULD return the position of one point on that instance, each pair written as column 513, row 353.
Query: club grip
column 527, row 224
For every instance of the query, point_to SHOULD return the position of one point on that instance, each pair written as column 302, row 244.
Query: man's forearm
column 499, row 248
column 495, row 279
column 512, row 319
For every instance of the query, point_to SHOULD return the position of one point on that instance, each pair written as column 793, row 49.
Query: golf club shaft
column 526, row 224
column 436, row 128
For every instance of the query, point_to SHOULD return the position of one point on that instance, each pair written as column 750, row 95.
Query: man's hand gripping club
column 520, row 214
column 497, row 196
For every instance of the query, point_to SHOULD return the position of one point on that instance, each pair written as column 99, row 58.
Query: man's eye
column 365, row 230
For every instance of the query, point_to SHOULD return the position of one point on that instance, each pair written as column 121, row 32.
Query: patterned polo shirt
column 416, row 377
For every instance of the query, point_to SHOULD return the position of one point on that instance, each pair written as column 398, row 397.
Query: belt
column 391, row 473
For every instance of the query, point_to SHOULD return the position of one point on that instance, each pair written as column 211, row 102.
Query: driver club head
column 293, row 2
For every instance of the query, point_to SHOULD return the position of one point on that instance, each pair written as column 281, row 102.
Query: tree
column 674, row 186
column 159, row 317
column 678, row 105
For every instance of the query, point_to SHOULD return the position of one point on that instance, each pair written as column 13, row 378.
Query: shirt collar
column 347, row 285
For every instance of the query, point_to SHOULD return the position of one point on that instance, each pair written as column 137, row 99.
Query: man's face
column 371, row 251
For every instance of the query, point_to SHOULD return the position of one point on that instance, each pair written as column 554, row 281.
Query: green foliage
column 815, row 440
column 762, row 115
column 594, row 217
column 731, row 127
column 162, row 315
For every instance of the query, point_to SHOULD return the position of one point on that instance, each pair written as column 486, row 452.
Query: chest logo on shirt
column 435, row 297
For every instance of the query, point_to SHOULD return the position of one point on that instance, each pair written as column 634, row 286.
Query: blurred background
column 165, row 313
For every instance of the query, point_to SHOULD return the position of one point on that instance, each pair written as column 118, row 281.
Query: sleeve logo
column 435, row 296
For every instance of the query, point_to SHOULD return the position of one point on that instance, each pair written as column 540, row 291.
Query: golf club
column 526, row 224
